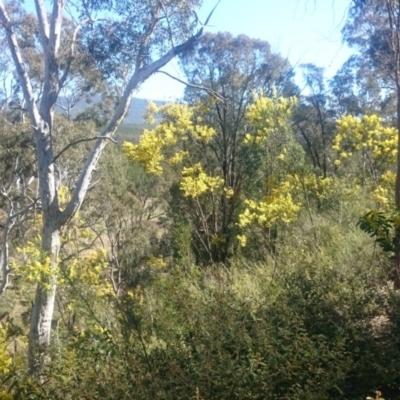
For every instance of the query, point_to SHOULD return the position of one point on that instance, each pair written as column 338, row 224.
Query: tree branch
column 72, row 51
column 51, row 79
column 138, row 77
column 168, row 23
column 43, row 23
column 19, row 65
column 81, row 141
column 55, row 26
column 208, row 90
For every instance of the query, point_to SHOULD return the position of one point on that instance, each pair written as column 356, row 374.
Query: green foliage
column 308, row 329
column 215, row 198
column 215, row 260
column 381, row 226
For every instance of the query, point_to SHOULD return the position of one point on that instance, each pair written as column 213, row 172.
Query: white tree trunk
column 43, row 308
column 42, row 122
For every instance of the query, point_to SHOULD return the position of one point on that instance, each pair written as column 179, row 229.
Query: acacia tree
column 127, row 48
column 313, row 119
column 234, row 70
column 185, row 144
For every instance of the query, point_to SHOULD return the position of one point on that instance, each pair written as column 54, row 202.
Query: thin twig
column 208, row 90
column 81, row 141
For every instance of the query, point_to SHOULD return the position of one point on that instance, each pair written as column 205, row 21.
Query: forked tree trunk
column 42, row 312
column 42, row 121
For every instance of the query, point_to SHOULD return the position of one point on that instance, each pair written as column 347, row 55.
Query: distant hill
column 135, row 113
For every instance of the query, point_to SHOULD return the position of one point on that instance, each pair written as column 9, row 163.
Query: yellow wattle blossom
column 64, row 196
column 318, row 186
column 35, row 267
column 376, row 144
column 196, row 182
column 136, row 294
column 156, row 263
column 151, row 110
column 279, row 206
column 384, row 193
column 90, row 270
column 267, row 115
column 5, row 359
column 242, row 239
column 381, row 194
column 183, row 138
column 203, row 133
column 366, row 133
column 176, row 128
column 6, row 396
column 178, row 157
column 388, row 178
column 228, row 192
column 147, row 153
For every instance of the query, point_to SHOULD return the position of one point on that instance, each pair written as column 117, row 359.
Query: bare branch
column 211, row 13
column 55, row 26
column 168, row 23
column 51, row 80
column 75, row 142
column 43, row 23
column 72, row 51
column 208, row 90
column 19, row 65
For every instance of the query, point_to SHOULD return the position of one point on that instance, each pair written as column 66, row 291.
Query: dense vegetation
column 244, row 243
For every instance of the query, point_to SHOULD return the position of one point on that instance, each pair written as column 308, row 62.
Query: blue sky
column 304, row 31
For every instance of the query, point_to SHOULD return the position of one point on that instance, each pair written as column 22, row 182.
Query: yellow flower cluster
column 36, row 267
column 136, row 294
column 384, row 193
column 388, row 178
column 366, row 134
column 196, row 182
column 268, row 114
column 315, row 185
column 279, row 206
column 177, row 126
column 6, row 396
column 228, row 192
column 178, row 157
column 147, row 153
column 5, row 359
column 155, row 263
column 89, row 270
column 242, row 239
column 64, row 196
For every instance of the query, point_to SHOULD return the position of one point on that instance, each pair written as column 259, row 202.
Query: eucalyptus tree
column 314, row 119
column 125, row 42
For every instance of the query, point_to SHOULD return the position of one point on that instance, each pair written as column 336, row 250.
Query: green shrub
column 251, row 332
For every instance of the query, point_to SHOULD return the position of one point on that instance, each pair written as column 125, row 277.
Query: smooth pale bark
column 42, row 120
column 42, row 312
column 4, row 258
